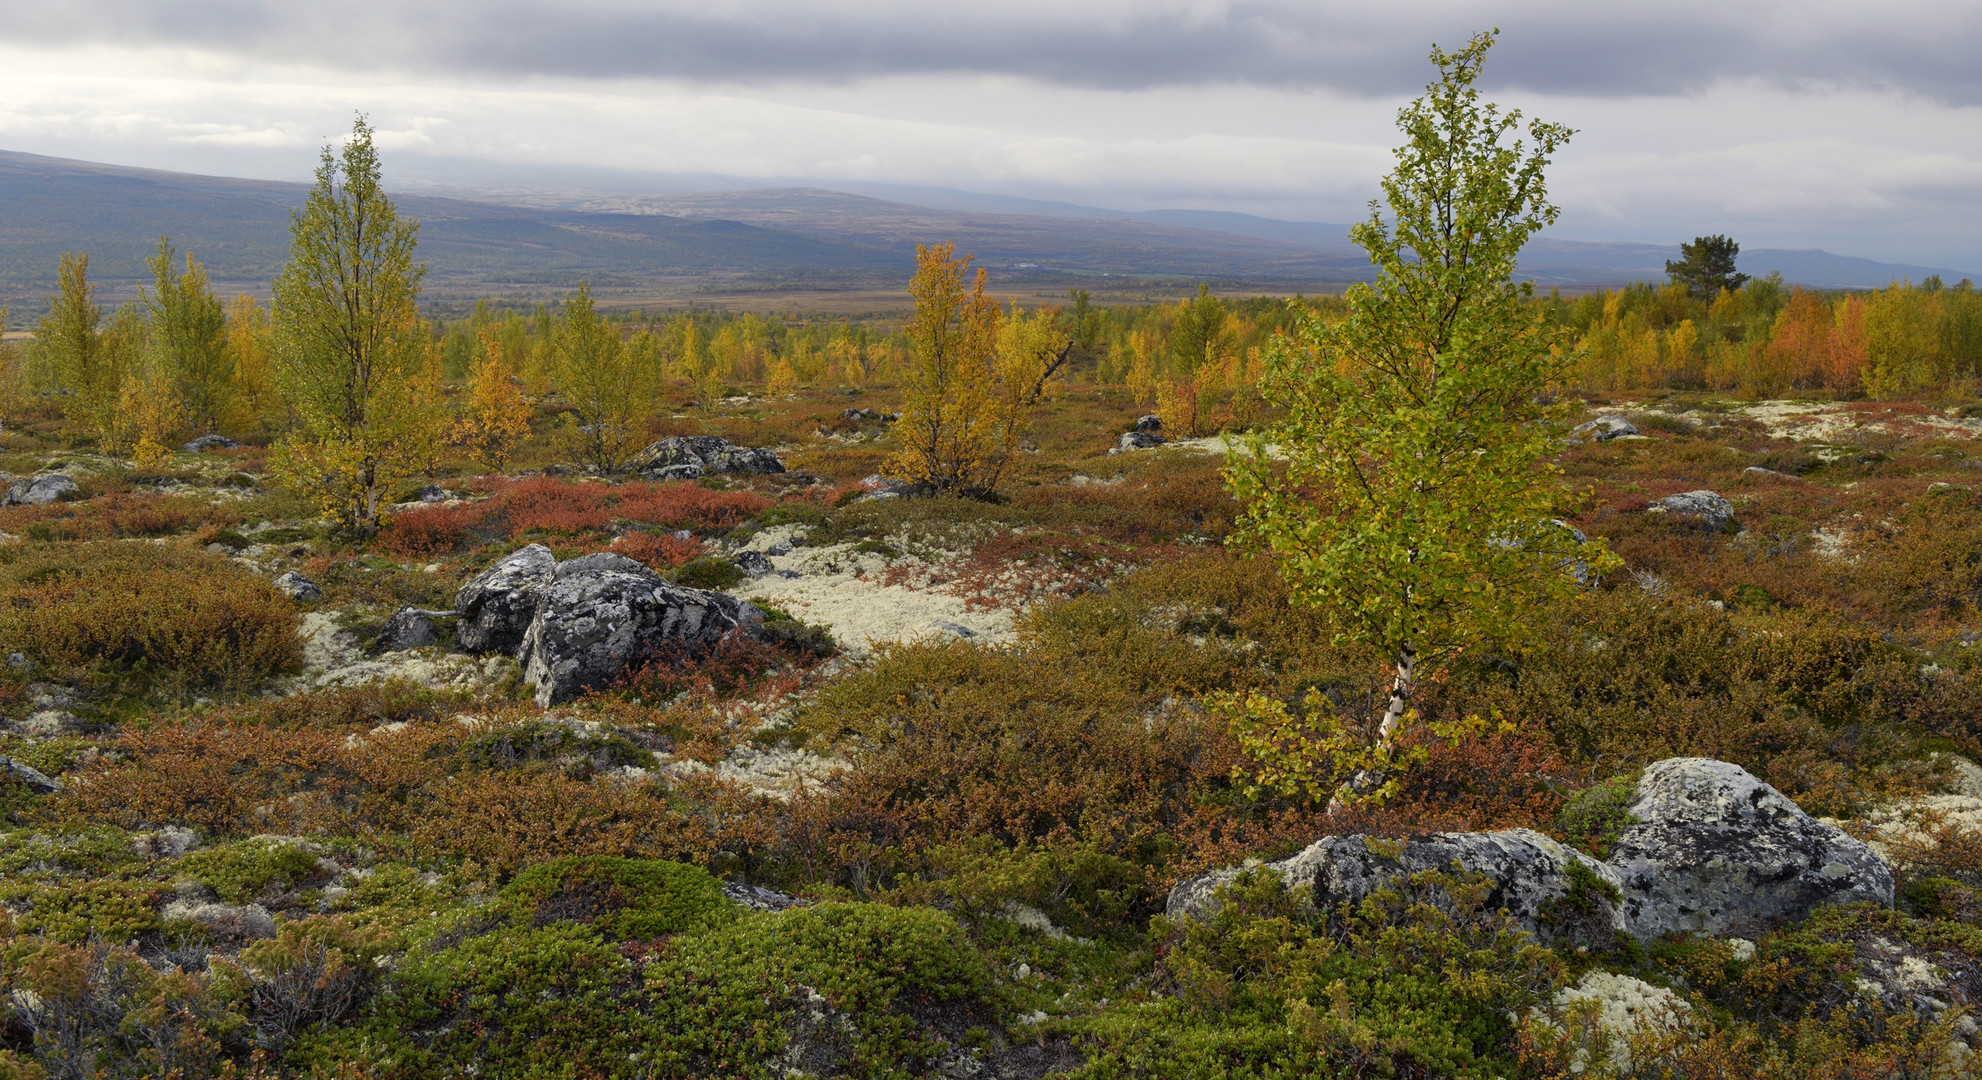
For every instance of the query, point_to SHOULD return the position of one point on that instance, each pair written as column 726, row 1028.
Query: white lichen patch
column 1619, row 1006
column 773, row 772
column 843, row 589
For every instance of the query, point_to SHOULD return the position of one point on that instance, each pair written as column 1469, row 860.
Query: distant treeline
column 180, row 361
column 1762, row 339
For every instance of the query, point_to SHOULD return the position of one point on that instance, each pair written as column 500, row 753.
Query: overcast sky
column 1852, row 127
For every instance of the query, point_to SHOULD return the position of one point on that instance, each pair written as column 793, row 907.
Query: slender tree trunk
column 1400, row 693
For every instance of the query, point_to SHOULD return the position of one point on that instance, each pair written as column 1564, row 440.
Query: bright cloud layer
column 1817, row 125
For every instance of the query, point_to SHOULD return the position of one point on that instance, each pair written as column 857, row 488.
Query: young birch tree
column 1416, row 508
column 188, row 339
column 84, row 361
column 349, row 348
column 609, row 386
column 973, row 382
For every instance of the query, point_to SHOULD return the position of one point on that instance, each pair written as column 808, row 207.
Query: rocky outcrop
column 1149, row 422
column 602, row 616
column 1139, row 440
column 39, row 490
column 1709, row 850
column 210, row 442
column 708, row 453
column 1605, row 428
column 1531, row 877
column 497, row 605
column 1710, row 511
column 297, row 587
column 1713, row 850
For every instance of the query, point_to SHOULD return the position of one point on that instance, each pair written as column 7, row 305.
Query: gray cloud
column 1563, row 48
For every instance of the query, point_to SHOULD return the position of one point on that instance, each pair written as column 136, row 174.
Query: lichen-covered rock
column 39, row 490
column 1149, row 422
column 1715, row 851
column 708, row 453
column 297, row 587
column 211, row 442
column 1139, row 440
column 498, row 604
column 1606, row 428
column 409, row 628
column 603, row 616
column 759, row 898
column 1713, row 512
column 754, row 563
column 1530, row 873
column 37, row 781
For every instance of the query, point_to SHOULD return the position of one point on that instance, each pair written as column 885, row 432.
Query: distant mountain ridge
column 538, row 243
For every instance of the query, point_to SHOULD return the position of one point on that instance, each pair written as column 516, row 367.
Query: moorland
column 278, row 798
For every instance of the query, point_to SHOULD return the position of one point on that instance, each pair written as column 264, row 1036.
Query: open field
column 302, row 853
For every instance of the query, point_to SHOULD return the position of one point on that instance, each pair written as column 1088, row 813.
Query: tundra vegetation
column 236, row 842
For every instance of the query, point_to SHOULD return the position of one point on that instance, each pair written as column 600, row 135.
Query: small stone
column 298, row 587
column 1606, row 428
column 782, row 547
column 753, row 563
column 758, row 898
column 37, row 781
column 407, row 629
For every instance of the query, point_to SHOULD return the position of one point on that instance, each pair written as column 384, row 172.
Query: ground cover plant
column 928, row 823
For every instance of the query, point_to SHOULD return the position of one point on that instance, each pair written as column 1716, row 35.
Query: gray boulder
column 706, row 452
column 676, row 472
column 211, row 442
column 298, row 587
column 1713, row 512
column 1715, row 851
column 1529, row 872
column 39, row 489
column 1140, row 440
column 603, row 616
column 498, row 604
column 1606, row 428
column 1150, row 422
column 409, row 628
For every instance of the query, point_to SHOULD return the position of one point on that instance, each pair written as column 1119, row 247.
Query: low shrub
column 624, row 899
column 238, row 873
column 1595, row 817
column 144, row 616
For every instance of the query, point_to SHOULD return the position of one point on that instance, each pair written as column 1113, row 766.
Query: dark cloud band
column 1365, row 49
